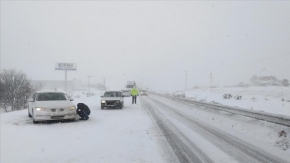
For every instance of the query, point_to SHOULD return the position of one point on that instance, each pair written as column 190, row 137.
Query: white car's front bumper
column 44, row 116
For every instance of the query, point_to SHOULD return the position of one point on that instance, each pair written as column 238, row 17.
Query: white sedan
column 51, row 105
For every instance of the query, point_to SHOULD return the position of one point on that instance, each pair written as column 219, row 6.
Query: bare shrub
column 15, row 89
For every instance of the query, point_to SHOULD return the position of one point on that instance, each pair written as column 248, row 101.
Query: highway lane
column 195, row 141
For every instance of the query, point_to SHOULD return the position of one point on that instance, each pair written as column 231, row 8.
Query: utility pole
column 104, row 82
column 185, row 81
column 210, row 79
column 89, row 82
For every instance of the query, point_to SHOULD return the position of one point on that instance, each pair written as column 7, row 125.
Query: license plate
column 57, row 117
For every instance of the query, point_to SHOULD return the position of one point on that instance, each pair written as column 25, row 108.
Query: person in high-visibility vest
column 134, row 94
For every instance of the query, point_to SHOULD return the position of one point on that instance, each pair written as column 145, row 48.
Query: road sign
column 66, row 66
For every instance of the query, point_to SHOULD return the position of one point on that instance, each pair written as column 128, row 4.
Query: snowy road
column 194, row 140
column 155, row 130
column 110, row 136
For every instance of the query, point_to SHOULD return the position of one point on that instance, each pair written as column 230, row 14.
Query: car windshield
column 112, row 94
column 51, row 97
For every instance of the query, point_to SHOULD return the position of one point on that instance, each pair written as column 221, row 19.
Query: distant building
column 267, row 78
column 266, row 81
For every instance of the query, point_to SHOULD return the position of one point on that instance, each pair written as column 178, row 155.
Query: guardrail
column 274, row 118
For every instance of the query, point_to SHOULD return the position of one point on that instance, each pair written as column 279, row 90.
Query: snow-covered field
column 108, row 136
column 267, row 99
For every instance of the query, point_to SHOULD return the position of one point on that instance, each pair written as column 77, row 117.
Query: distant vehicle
column 126, row 93
column 51, row 105
column 114, row 99
column 130, row 85
column 143, row 93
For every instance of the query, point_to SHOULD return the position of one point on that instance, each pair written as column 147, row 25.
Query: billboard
column 66, row 66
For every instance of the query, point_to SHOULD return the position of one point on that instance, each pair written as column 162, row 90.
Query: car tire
column 102, row 107
column 29, row 115
column 83, row 110
column 33, row 120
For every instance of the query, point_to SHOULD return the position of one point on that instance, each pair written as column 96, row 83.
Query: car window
column 51, row 97
column 119, row 94
column 110, row 94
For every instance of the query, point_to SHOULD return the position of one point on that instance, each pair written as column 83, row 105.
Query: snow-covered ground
column 108, row 136
column 267, row 99
column 130, row 134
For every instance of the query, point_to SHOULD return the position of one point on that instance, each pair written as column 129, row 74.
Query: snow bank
column 267, row 99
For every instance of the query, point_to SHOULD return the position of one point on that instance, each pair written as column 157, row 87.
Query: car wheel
column 29, row 115
column 102, row 107
column 34, row 121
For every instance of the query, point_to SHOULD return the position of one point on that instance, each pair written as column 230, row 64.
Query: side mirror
column 71, row 99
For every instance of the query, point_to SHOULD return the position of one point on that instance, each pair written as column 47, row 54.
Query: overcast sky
column 150, row 42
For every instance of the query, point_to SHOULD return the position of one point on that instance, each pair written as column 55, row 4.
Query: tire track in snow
column 239, row 149
column 186, row 151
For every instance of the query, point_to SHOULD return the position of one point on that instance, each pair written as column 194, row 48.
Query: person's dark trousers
column 134, row 99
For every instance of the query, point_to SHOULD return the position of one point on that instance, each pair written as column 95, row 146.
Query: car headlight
column 103, row 101
column 117, row 101
column 40, row 109
column 72, row 108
